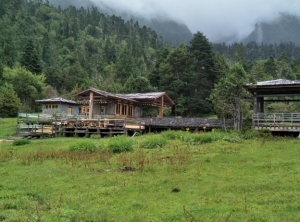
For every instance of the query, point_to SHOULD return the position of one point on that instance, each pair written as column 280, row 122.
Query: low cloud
column 216, row 19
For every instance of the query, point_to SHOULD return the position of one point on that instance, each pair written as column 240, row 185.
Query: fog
column 217, row 19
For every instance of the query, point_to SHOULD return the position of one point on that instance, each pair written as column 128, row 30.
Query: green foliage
column 153, row 142
column 174, row 134
column 21, row 142
column 86, row 145
column 28, row 87
column 138, row 84
column 119, row 144
column 9, row 102
column 229, row 95
column 30, row 59
column 264, row 133
column 196, row 139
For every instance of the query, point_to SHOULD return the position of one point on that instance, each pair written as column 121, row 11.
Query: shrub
column 153, row 142
column 249, row 134
column 83, row 146
column 195, row 139
column 264, row 133
column 120, row 144
column 173, row 134
column 20, row 142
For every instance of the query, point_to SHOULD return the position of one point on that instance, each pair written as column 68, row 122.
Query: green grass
column 7, row 127
column 252, row 179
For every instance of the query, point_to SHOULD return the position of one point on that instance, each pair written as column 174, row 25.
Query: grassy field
column 7, row 127
column 173, row 176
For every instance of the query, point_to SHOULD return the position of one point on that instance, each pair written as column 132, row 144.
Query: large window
column 124, row 109
column 84, row 110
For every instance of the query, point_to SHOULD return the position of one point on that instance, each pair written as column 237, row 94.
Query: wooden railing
column 103, row 121
column 276, row 120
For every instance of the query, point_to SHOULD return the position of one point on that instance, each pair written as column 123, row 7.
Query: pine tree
column 30, row 59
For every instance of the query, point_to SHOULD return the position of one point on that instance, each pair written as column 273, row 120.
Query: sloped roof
column 133, row 97
column 148, row 96
column 56, row 100
column 105, row 94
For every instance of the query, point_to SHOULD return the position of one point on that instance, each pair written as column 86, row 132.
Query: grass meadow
column 7, row 127
column 172, row 176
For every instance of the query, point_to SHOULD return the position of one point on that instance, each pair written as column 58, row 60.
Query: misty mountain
column 286, row 28
column 171, row 31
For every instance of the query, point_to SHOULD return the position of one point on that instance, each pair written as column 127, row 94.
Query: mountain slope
column 286, row 28
column 171, row 31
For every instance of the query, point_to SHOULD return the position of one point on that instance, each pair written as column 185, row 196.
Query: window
column 102, row 110
column 51, row 106
column 124, row 109
column 84, row 109
column 131, row 111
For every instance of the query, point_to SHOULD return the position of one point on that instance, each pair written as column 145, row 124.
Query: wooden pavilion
column 279, row 90
column 94, row 102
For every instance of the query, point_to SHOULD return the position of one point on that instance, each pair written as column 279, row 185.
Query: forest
column 49, row 51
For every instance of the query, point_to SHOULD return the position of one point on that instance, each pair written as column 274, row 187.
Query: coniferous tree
column 30, row 59
column 203, row 66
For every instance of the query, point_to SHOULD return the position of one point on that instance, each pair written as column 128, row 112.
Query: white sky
column 214, row 18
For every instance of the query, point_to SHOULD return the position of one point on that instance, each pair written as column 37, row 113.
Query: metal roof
column 56, row 100
column 278, row 82
column 147, row 96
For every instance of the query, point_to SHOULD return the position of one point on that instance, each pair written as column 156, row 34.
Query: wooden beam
column 161, row 108
column 91, row 105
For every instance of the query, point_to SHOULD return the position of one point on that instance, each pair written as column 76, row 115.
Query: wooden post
column 161, row 108
column 255, row 104
column 261, row 105
column 91, row 105
column 42, row 131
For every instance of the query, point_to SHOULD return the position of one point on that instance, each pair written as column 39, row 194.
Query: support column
column 91, row 105
column 255, row 108
column 161, row 108
column 261, row 104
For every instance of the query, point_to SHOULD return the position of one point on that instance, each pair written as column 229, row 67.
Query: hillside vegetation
column 173, row 176
column 51, row 51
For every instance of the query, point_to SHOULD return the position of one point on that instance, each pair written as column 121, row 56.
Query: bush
column 249, row 134
column 172, row 134
column 20, row 142
column 264, row 133
column 153, row 142
column 83, row 146
column 196, row 139
column 120, row 144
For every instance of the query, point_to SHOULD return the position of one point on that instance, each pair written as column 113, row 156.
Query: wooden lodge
column 279, row 90
column 94, row 112
column 94, row 103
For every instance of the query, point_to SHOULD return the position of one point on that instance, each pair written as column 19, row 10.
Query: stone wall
column 173, row 122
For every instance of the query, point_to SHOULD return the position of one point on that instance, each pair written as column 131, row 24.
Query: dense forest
column 49, row 51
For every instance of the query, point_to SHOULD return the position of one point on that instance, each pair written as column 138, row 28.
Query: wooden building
column 59, row 105
column 94, row 102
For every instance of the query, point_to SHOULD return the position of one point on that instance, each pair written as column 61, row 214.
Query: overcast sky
column 214, row 18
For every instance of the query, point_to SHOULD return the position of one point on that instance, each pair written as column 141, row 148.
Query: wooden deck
column 37, row 125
